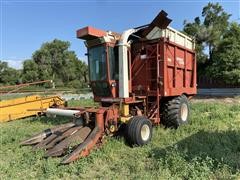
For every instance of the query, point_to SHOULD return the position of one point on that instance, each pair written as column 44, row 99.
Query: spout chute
column 123, row 63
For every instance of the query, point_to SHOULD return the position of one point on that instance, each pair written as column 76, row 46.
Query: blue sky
column 25, row 24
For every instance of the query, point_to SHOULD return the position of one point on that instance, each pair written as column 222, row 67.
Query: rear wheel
column 139, row 131
column 175, row 112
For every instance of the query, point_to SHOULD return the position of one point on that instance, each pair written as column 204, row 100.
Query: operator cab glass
column 97, row 63
column 113, row 63
column 98, row 71
column 99, row 58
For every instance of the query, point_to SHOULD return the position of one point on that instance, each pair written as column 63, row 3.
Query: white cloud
column 16, row 64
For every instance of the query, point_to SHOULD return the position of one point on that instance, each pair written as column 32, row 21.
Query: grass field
column 207, row 148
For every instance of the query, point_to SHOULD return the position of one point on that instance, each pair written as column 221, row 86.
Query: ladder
column 152, row 69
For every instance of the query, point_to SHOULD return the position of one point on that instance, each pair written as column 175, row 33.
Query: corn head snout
column 77, row 138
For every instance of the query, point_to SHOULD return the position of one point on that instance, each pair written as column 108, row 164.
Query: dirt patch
column 207, row 99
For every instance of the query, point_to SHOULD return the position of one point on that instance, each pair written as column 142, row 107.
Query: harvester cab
column 102, row 61
column 140, row 77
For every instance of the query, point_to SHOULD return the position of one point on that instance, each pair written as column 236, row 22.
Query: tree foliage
column 226, row 57
column 198, row 32
column 55, row 61
column 213, row 32
column 210, row 31
column 8, row 75
column 216, row 22
column 30, row 71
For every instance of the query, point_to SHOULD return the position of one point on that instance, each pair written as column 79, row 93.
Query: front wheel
column 139, row 131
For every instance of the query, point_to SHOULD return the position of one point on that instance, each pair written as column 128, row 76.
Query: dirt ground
column 212, row 99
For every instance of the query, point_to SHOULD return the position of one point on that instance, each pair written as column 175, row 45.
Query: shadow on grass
column 53, row 120
column 222, row 147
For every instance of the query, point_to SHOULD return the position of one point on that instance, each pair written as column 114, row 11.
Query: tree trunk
column 210, row 53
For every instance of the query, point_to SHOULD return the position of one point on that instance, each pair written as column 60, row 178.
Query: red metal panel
column 179, row 58
column 179, row 78
column 188, row 78
column 179, row 73
column 189, row 63
column 170, row 55
column 161, row 68
column 89, row 33
column 170, row 72
column 176, row 74
column 138, row 72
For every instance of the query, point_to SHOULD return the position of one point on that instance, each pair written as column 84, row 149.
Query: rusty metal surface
column 14, row 88
column 69, row 142
column 45, row 141
column 72, row 137
column 84, row 148
column 56, row 137
column 161, row 21
column 62, row 137
column 41, row 136
column 89, row 33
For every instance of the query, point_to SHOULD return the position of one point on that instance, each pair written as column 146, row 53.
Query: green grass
column 207, row 148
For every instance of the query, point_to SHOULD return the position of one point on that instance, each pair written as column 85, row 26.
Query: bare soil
column 212, row 99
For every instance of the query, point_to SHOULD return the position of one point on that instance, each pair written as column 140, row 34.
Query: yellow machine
column 27, row 106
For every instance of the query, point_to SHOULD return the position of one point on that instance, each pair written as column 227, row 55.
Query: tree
column 55, row 61
column 226, row 63
column 210, row 31
column 8, row 75
column 216, row 23
column 30, row 71
column 197, row 31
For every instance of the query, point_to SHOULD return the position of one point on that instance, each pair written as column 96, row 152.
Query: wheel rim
column 184, row 112
column 145, row 132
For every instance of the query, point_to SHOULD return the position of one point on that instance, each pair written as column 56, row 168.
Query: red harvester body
column 141, row 77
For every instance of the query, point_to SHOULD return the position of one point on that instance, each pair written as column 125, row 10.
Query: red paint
column 88, row 33
column 176, row 67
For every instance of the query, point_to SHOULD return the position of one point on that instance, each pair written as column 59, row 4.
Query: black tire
column 139, row 131
column 175, row 112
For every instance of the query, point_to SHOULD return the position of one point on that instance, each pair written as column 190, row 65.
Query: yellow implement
column 27, row 106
